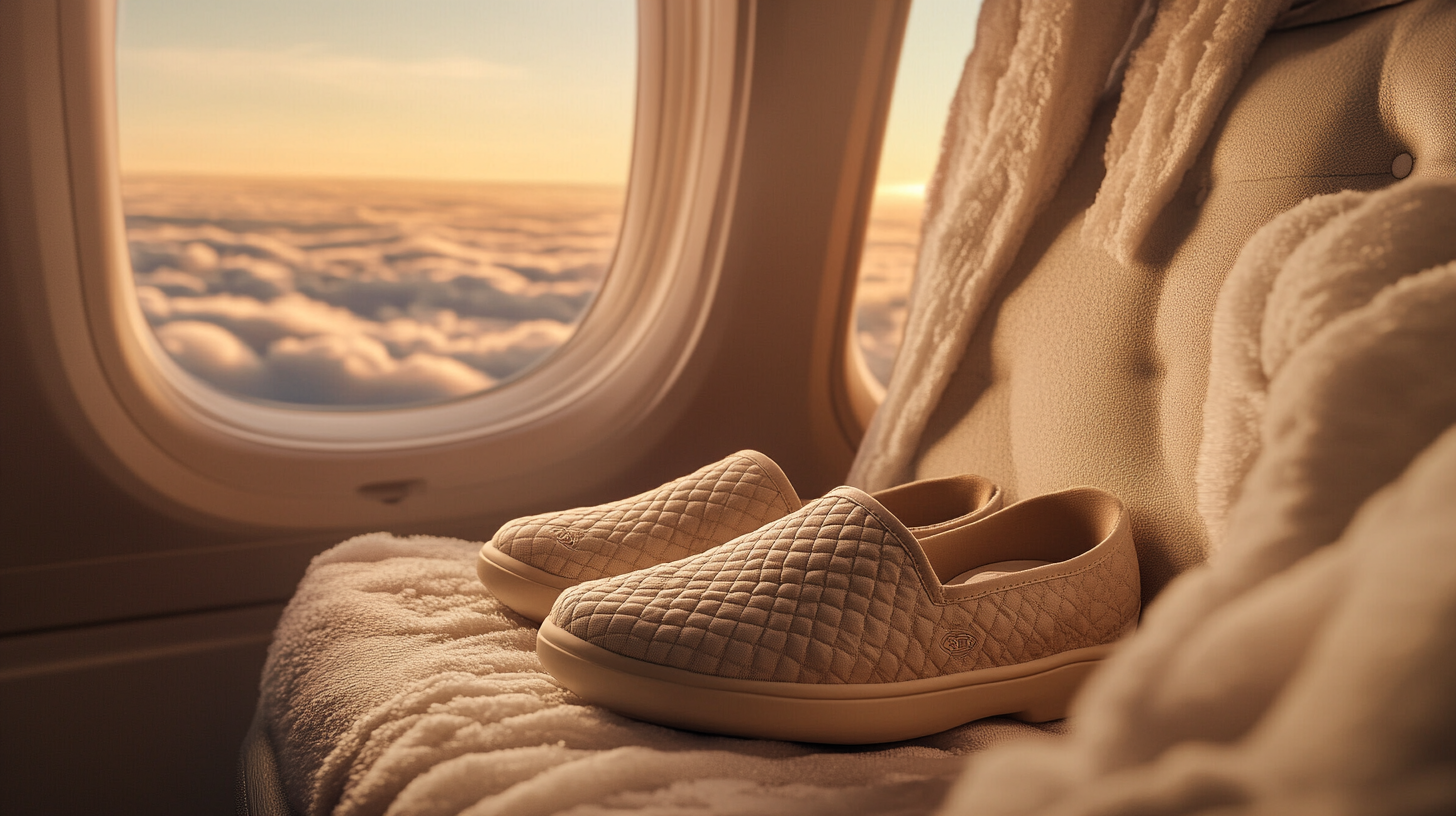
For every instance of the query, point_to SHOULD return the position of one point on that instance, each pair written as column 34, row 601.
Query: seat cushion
column 396, row 680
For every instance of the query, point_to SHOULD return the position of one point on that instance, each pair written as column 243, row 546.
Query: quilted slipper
column 531, row 560
column 838, row 623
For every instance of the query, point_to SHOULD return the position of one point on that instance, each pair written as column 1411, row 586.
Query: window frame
column 233, row 463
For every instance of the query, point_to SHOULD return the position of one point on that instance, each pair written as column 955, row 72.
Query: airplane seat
column 1091, row 371
column 1086, row 370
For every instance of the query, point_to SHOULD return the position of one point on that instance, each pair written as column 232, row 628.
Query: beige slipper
column 531, row 560
column 840, row 624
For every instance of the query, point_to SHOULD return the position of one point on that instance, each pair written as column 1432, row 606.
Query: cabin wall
column 132, row 633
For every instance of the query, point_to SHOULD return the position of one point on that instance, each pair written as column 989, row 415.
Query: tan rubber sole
column 852, row 714
column 526, row 589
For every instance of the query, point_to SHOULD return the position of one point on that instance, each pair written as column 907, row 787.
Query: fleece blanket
column 397, row 684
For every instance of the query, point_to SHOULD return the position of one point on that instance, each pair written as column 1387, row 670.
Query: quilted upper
column 707, row 507
column 840, row 592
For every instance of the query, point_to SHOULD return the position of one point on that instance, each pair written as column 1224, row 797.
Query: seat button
column 1401, row 167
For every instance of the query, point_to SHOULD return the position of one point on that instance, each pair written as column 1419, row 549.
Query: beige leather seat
column 1087, row 371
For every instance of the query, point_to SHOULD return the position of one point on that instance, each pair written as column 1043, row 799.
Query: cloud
column 314, row 293
column 879, row 327
column 253, row 277
column 200, row 248
column 172, row 282
column 468, row 295
column 257, row 323
column 320, row 354
column 501, row 354
column 212, row 353
column 886, row 268
column 333, row 369
column 320, row 370
column 332, row 293
column 199, row 257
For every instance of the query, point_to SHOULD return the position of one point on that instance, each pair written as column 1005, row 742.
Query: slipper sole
column 852, row 714
column 526, row 589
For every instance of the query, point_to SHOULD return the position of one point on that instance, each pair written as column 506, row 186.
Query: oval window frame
column 237, row 463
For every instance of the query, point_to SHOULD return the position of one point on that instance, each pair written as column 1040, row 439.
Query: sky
column 938, row 38
column 530, row 90
column 491, row 90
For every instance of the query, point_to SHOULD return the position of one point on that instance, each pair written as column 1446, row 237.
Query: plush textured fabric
column 1307, row 667
column 1017, row 119
column 1175, row 88
column 723, row 500
column 1353, row 246
column 397, row 684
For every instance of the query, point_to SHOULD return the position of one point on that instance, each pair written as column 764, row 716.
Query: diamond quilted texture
column 834, row 593
column 714, row 504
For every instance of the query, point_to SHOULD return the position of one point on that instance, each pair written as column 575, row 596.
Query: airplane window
column 938, row 37
column 371, row 203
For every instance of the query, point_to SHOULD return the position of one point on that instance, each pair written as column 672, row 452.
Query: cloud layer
column 355, row 293
column 885, row 271
column 392, row 293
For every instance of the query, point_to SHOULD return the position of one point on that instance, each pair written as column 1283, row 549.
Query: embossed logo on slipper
column 958, row 643
column 568, row 538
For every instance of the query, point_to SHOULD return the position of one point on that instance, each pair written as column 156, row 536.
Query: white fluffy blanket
column 397, row 684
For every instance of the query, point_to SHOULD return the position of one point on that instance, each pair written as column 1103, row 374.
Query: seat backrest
column 1088, row 371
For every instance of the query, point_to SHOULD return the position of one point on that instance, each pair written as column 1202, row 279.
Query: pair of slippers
column 720, row 602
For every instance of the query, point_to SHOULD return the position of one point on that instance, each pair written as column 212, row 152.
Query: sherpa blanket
column 397, row 684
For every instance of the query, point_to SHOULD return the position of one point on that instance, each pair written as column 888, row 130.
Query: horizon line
column 896, row 190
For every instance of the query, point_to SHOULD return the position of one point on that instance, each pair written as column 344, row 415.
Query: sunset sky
column 537, row 91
